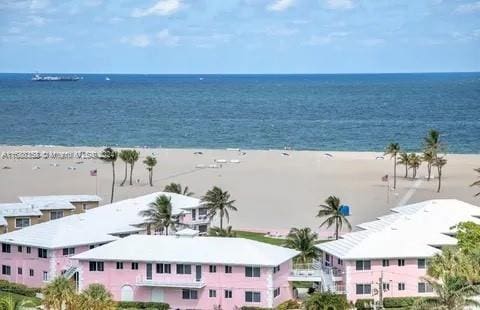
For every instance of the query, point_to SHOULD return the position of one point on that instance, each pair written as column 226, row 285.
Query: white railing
column 185, row 283
column 316, row 270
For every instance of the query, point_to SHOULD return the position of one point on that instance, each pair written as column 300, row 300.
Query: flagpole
column 388, row 190
column 96, row 181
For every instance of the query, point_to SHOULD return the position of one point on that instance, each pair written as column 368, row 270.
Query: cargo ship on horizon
column 40, row 78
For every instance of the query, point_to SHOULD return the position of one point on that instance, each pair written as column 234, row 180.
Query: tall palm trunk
column 125, row 177
column 113, row 181
column 221, row 219
column 414, row 172
column 131, row 173
column 336, row 229
column 395, row 172
column 439, row 179
column 150, row 176
column 429, row 170
column 149, row 229
column 406, row 170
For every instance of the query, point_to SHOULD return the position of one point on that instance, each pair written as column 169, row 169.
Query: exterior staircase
column 70, row 272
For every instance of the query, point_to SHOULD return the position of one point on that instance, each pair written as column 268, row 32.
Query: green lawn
column 259, row 237
column 35, row 301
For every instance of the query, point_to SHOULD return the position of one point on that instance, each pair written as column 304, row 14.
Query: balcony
column 316, row 272
column 177, row 283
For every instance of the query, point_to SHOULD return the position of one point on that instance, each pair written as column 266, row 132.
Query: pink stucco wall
column 220, row 281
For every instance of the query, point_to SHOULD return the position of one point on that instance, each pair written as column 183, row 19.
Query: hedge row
column 20, row 289
column 364, row 304
column 400, row 302
column 142, row 305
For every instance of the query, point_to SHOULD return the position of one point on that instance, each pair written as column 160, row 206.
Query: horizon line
column 266, row 73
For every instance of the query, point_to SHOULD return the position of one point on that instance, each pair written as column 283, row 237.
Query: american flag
column 385, row 178
column 93, row 172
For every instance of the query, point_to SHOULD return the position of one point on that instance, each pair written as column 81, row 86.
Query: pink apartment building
column 190, row 272
column 396, row 247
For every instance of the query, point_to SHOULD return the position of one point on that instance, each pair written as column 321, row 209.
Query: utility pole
column 380, row 291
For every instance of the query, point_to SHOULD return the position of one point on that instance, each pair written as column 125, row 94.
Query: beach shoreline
column 274, row 189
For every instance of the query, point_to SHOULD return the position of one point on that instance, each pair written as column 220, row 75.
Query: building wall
column 11, row 221
column 409, row 274
column 79, row 206
column 46, row 216
column 219, row 281
column 26, row 261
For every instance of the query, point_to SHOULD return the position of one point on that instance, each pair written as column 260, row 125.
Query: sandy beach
column 273, row 191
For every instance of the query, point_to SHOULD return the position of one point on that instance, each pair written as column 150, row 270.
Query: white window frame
column 56, row 211
column 23, row 218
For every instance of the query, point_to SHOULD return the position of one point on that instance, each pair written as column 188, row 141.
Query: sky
column 239, row 36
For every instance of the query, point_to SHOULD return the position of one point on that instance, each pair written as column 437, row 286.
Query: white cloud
column 280, row 5
column 52, row 40
column 468, row 8
column 339, row 4
column 36, row 20
column 140, row 40
column 39, row 4
column 372, row 41
column 164, row 37
column 326, row 39
column 161, row 8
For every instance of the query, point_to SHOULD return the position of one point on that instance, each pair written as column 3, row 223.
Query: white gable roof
column 201, row 250
column 18, row 209
column 411, row 231
column 187, row 232
column 96, row 225
column 53, row 202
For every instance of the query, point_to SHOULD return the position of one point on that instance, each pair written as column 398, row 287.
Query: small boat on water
column 48, row 78
column 107, row 79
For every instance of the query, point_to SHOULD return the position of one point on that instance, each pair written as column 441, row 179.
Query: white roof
column 187, row 232
column 201, row 250
column 96, row 225
column 54, row 202
column 411, row 231
column 18, row 209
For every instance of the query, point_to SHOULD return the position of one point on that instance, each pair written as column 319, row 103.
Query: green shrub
column 19, row 289
column 289, row 304
column 364, row 304
column 327, row 301
column 400, row 302
column 254, row 308
column 143, row 305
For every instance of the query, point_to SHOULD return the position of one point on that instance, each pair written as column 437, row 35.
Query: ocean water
column 356, row 112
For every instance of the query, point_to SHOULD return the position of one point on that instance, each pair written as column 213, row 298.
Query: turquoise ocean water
column 356, row 112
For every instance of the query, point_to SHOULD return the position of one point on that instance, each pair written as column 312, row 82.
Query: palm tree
column 219, row 232
column 110, row 156
column 452, row 293
column 96, row 296
column 132, row 159
column 124, row 155
column 414, row 161
column 303, row 240
column 429, row 158
column 403, row 160
column 439, row 163
column 218, row 202
column 177, row 188
column 59, row 294
column 159, row 215
column 332, row 211
column 476, row 183
column 150, row 162
column 393, row 149
column 432, row 142
column 7, row 302
column 450, row 262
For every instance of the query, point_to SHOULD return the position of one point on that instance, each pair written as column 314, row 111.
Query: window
column 401, row 262
column 276, row 269
column 184, row 269
column 164, row 268
column 19, row 271
column 401, row 286
column 212, row 293
column 42, row 253
column 6, row 270
column 363, row 265
column 56, row 214
column 202, row 212
column 84, row 206
column 228, row 294
column 228, row 269
column 386, row 286
column 68, row 251
column 421, row 263
column 327, row 257
column 29, row 250
column 252, row 296
column 92, row 246
column 385, row 262
column 276, row 292
column 134, row 266
column 45, row 276
column 339, row 261
column 31, row 272
column 21, row 222
column 194, row 214
column 424, row 287
column 364, row 289
column 251, row 272
column 212, row 268
column 119, row 265
column 189, row 294
column 19, row 249
column 96, row 266
column 6, row 248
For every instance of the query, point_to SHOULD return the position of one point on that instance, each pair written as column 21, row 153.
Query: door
column 198, row 273
column 157, row 294
column 149, row 271
column 126, row 293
